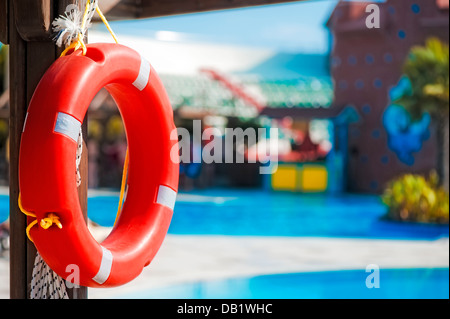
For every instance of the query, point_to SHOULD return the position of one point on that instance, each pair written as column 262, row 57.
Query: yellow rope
column 79, row 43
column 122, row 186
column 75, row 46
column 45, row 223
column 106, row 23
column 86, row 10
column 50, row 220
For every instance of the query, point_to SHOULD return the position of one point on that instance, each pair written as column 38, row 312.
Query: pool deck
column 191, row 258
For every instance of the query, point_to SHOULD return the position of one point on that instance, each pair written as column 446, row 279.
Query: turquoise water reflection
column 419, row 283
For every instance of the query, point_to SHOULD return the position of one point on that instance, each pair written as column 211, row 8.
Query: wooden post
column 31, row 53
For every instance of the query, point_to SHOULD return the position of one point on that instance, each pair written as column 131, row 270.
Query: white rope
column 45, row 283
column 78, row 159
column 68, row 25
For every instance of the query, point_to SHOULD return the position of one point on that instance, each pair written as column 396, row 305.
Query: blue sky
column 293, row 27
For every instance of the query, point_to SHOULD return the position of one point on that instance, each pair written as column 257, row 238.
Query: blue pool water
column 259, row 213
column 4, row 208
column 228, row 212
column 419, row 283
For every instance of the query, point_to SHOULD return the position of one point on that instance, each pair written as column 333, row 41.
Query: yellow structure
column 285, row 178
column 314, row 178
column 300, row 177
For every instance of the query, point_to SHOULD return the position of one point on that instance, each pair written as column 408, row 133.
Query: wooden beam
column 17, row 105
column 107, row 5
column 132, row 9
column 4, row 21
column 34, row 19
column 168, row 7
column 31, row 53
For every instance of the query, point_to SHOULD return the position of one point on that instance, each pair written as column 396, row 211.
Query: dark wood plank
column 169, row 7
column 127, row 9
column 34, row 19
column 18, row 105
column 4, row 20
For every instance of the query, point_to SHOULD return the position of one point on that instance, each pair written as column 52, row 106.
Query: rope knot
column 45, row 222
column 70, row 28
column 48, row 221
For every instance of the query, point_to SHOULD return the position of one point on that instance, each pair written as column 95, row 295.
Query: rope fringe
column 45, row 283
column 71, row 27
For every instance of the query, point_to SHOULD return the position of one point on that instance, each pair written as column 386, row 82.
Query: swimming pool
column 261, row 213
column 418, row 283
column 258, row 213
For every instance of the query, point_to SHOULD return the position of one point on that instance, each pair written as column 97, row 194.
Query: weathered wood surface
column 132, row 9
column 17, row 102
column 34, row 18
column 4, row 21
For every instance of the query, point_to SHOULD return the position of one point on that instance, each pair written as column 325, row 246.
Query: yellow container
column 314, row 178
column 285, row 178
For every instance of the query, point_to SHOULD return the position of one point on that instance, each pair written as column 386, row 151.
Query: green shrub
column 416, row 198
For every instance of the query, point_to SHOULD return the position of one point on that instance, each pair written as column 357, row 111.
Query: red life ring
column 47, row 168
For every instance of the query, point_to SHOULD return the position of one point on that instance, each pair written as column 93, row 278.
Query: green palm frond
column 427, row 68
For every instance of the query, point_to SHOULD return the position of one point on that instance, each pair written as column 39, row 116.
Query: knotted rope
column 71, row 27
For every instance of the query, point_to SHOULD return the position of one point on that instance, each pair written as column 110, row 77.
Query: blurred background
column 362, row 178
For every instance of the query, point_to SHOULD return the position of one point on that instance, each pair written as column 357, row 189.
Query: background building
column 366, row 64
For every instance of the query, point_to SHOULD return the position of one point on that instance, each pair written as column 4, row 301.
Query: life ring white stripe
column 144, row 74
column 25, row 122
column 105, row 267
column 166, row 196
column 68, row 125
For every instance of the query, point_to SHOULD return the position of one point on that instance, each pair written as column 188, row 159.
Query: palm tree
column 427, row 68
